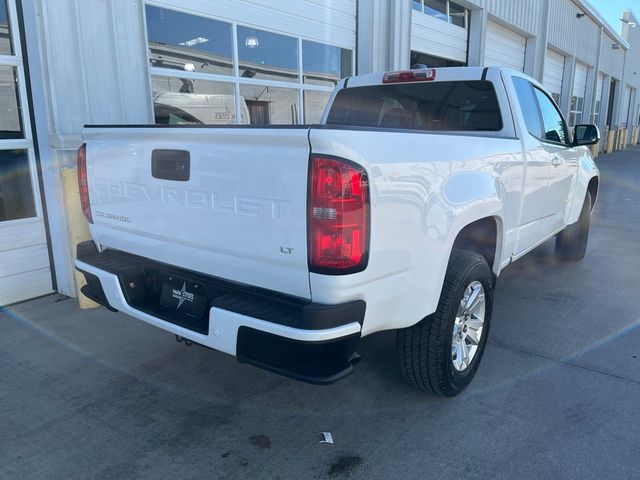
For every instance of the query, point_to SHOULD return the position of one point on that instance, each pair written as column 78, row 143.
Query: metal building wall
column 95, row 59
column 611, row 60
column 587, row 36
column 526, row 15
column 632, row 35
column 562, row 25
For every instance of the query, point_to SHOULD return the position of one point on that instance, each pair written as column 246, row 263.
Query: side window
column 528, row 105
column 555, row 128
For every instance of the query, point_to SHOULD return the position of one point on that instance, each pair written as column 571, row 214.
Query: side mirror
column 586, row 135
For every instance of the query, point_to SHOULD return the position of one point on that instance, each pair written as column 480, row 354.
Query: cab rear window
column 434, row 106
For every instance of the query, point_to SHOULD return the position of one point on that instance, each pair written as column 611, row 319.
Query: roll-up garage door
column 504, row 47
column 580, row 81
column 553, row 73
column 432, row 36
column 624, row 112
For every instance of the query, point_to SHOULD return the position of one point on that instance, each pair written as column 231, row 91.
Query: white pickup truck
column 284, row 245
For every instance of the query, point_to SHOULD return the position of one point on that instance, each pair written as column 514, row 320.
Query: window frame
column 235, row 77
column 576, row 114
column 26, row 142
column 533, row 88
column 536, row 105
column 448, row 13
column 567, row 135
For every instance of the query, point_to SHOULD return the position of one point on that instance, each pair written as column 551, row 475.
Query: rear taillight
column 338, row 216
column 420, row 75
column 83, row 184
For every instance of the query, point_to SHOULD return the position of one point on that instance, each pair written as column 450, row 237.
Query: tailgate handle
column 171, row 165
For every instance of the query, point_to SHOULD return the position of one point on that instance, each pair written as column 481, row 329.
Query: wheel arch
column 483, row 236
column 593, row 188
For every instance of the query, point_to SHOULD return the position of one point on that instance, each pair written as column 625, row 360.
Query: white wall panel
column 553, row 72
column 96, row 62
column 24, row 261
column 25, row 285
column 24, row 233
column 436, row 37
column 504, row 47
column 580, row 80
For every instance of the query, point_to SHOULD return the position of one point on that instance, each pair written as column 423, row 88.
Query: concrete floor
column 92, row 394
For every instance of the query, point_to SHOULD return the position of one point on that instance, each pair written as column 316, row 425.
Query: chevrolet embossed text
column 110, row 191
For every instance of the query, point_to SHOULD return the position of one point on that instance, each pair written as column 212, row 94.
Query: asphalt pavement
column 89, row 394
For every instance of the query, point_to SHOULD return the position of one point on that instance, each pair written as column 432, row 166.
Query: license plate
column 183, row 297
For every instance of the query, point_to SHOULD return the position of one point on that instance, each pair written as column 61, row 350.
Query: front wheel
column 571, row 243
column 441, row 354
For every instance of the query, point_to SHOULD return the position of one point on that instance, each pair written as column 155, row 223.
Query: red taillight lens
column 338, row 216
column 409, row 76
column 83, row 184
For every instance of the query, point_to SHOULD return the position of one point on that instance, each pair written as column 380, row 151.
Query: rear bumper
column 309, row 342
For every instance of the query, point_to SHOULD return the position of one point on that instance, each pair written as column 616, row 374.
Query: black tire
column 571, row 243
column 424, row 350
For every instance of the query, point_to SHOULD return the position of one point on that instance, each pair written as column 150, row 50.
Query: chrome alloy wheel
column 468, row 326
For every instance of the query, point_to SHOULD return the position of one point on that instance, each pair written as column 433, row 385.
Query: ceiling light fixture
column 251, row 42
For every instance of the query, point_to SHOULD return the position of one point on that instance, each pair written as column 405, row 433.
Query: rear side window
column 434, row 106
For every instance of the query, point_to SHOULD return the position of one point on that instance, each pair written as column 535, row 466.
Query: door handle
column 556, row 161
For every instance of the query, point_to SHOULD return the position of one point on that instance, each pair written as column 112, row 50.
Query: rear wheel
column 571, row 243
column 441, row 354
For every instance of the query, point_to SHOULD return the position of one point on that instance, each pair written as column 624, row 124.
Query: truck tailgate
column 227, row 202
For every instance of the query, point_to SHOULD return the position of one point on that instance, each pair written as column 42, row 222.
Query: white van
column 175, row 108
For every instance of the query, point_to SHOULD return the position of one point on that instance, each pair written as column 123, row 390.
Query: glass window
column 436, row 8
column 5, row 32
column 188, row 42
column 528, row 105
column 10, row 115
column 575, row 111
column 271, row 105
column 16, row 194
column 267, row 55
column 447, row 106
column 595, row 117
column 324, row 64
column 443, row 10
column 555, row 128
column 314, row 105
column 458, row 15
column 179, row 101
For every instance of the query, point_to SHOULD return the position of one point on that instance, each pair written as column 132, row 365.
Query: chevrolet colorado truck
column 284, row 245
